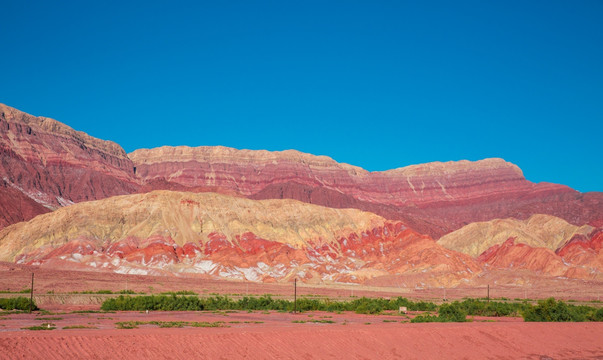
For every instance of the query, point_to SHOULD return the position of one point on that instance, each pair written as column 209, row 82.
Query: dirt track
column 272, row 335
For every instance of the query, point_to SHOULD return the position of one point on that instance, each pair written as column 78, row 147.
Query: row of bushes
column 493, row 308
column 100, row 292
column 552, row 310
column 546, row 310
column 18, row 303
column 173, row 302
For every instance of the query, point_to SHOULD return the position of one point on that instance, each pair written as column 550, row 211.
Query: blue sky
column 378, row 84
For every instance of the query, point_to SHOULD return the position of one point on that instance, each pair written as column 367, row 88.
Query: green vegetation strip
column 266, row 302
column 168, row 324
column 552, row 310
column 79, row 327
column 313, row 321
column 101, row 292
column 545, row 310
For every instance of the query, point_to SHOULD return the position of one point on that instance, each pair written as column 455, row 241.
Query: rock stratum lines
column 71, row 201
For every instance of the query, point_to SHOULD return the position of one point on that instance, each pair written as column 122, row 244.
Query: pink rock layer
column 47, row 163
column 391, row 249
column 433, row 198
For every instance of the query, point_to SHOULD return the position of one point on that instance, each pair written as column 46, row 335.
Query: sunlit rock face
column 168, row 232
column 433, row 198
column 232, row 237
column 77, row 202
column 543, row 244
column 45, row 165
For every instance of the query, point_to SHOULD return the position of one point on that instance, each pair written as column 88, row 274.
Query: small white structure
column 403, row 310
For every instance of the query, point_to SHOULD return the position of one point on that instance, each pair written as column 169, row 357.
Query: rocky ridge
column 486, row 215
column 268, row 240
column 54, row 165
column 208, row 233
column 434, row 198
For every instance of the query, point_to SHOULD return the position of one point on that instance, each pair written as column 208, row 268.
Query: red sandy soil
column 274, row 336
column 260, row 335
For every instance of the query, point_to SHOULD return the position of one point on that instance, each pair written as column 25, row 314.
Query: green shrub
column 44, row 326
column 447, row 313
column 452, row 313
column 79, row 327
column 180, row 292
column 425, row 318
column 492, row 308
column 18, row 303
column 597, row 315
column 552, row 310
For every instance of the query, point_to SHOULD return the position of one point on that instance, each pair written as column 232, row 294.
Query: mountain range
column 72, row 201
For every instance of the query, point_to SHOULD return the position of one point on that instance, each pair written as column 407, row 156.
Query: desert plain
column 82, row 331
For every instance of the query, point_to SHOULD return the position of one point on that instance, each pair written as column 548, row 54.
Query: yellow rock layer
column 538, row 231
column 185, row 217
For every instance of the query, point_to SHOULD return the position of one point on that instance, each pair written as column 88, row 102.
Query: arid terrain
column 90, row 220
column 273, row 335
column 81, row 331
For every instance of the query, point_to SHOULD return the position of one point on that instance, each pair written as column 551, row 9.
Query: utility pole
column 295, row 296
column 31, row 294
column 488, row 293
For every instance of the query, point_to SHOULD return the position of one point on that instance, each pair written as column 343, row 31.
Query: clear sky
column 378, row 84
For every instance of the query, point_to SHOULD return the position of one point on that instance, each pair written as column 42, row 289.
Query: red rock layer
column 520, row 256
column 232, row 237
column 382, row 251
column 585, row 251
column 15, row 206
column 573, row 262
column 433, row 198
column 54, row 165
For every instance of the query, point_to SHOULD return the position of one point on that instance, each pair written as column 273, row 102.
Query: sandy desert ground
column 274, row 335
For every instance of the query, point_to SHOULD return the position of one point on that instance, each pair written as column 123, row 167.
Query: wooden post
column 488, row 293
column 295, row 296
column 31, row 294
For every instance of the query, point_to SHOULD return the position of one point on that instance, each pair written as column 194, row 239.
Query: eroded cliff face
column 208, row 233
column 434, row 198
column 54, row 165
column 211, row 218
column 539, row 230
column 167, row 232
column 249, row 172
column 543, row 244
